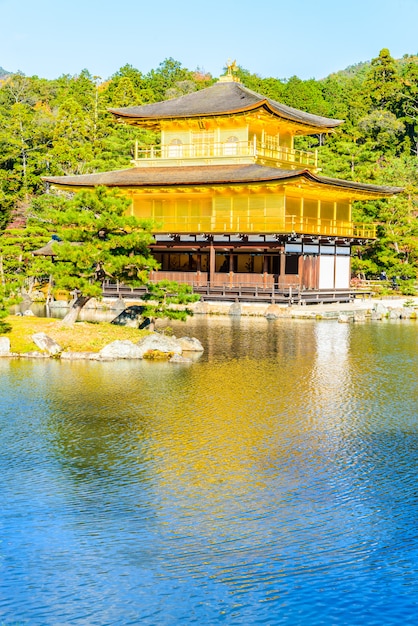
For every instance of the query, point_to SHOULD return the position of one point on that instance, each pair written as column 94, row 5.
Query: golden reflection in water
column 215, row 429
column 235, row 422
column 266, row 400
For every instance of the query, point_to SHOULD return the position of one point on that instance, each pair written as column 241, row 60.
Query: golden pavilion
column 233, row 202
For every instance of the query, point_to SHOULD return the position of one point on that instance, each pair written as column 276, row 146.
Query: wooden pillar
column 301, row 262
column 198, row 269
column 211, row 264
column 265, row 270
column 231, row 261
column 282, row 275
column 315, row 282
column 231, row 269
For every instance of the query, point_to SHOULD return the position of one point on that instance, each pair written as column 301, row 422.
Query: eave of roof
column 222, row 98
column 141, row 177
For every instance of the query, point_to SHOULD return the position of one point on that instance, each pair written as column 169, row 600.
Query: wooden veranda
column 245, row 292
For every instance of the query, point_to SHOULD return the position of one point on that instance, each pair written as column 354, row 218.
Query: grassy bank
column 81, row 337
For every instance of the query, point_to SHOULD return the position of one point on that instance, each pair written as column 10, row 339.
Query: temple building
column 233, row 202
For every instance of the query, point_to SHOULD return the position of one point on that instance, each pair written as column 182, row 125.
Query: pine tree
column 383, row 82
column 95, row 239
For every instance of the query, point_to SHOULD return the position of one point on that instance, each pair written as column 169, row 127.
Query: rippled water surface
column 273, row 481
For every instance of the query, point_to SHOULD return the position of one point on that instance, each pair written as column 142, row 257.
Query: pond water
column 272, row 481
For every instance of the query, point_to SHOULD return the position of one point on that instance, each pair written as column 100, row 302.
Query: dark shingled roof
column 46, row 250
column 212, row 175
column 222, row 98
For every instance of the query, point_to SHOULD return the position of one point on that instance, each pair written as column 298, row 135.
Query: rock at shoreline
column 395, row 314
column 343, row 318
column 131, row 317
column 201, row 308
column 380, row 309
column 274, row 311
column 235, row 309
column 4, row 346
column 118, row 349
column 33, row 355
column 158, row 342
column 359, row 316
column 46, row 343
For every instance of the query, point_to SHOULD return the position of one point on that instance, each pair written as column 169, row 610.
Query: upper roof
column 222, row 98
column 213, row 175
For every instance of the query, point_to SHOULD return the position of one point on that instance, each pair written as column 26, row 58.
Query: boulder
column 148, row 324
column 235, row 309
column 33, row 355
column 46, row 344
column 162, row 343
column 201, row 308
column 4, row 346
column 359, row 316
column 343, row 318
column 118, row 349
column 273, row 312
column 119, row 304
column 381, row 309
column 395, row 314
column 408, row 313
column 190, row 344
column 131, row 317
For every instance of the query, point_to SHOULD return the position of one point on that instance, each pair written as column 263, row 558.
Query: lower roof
column 141, row 177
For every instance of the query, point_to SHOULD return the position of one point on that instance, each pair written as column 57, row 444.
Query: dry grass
column 81, row 337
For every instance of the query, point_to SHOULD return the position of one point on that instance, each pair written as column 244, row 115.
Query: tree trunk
column 75, row 309
column 3, row 282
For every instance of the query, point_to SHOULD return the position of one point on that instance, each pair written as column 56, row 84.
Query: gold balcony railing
column 247, row 224
column 241, row 150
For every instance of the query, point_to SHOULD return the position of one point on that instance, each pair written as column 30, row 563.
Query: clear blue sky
column 278, row 38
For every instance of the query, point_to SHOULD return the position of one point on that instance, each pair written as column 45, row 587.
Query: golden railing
column 273, row 225
column 239, row 149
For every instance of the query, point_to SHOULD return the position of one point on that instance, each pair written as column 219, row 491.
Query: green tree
column 383, row 82
column 408, row 104
column 15, row 261
column 162, row 295
column 4, row 312
column 25, row 136
column 127, row 87
column 168, row 73
column 305, row 95
column 383, row 130
column 6, row 202
column 98, row 241
column 72, row 149
column 396, row 249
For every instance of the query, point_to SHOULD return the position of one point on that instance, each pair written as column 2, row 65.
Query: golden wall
column 243, row 213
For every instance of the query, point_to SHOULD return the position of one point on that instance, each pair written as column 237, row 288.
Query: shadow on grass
column 4, row 328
